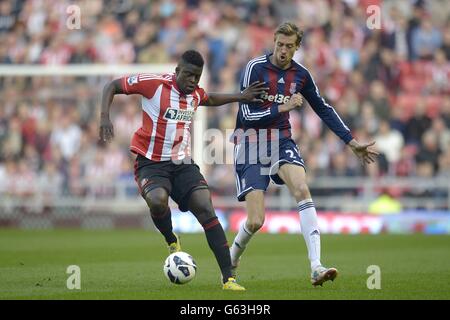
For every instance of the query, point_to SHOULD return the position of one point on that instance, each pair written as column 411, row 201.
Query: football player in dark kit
column 288, row 83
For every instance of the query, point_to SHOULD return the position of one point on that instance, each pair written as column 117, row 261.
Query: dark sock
column 219, row 245
column 164, row 225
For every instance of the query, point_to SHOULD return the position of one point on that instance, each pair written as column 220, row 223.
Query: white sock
column 239, row 243
column 310, row 230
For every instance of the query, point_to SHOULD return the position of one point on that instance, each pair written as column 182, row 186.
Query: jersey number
column 290, row 153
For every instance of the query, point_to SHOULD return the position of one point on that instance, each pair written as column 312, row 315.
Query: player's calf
column 254, row 224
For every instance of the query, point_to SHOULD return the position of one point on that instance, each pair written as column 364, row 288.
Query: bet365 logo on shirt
column 278, row 98
column 178, row 115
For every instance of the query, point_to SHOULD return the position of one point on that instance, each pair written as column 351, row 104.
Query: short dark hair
column 193, row 57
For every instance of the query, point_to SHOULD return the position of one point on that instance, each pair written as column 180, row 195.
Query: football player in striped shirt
column 267, row 124
column 163, row 164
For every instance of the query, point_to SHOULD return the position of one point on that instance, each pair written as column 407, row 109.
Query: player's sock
column 310, row 231
column 240, row 242
column 164, row 225
column 219, row 245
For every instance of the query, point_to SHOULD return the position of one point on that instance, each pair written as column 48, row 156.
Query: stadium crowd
column 391, row 85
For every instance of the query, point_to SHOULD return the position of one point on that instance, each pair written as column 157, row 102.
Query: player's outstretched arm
column 106, row 131
column 364, row 151
column 249, row 94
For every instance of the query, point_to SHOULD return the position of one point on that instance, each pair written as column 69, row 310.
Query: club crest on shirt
column 132, row 80
column 178, row 115
column 293, row 88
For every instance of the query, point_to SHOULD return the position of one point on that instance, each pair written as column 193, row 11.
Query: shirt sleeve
column 324, row 110
column 143, row 84
column 202, row 95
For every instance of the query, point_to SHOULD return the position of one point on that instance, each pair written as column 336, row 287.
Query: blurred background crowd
column 391, row 85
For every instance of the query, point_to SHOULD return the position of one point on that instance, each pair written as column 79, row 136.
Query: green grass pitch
column 127, row 264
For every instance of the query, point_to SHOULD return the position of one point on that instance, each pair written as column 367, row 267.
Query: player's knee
column 158, row 209
column 157, row 201
column 201, row 206
column 204, row 214
column 254, row 224
column 301, row 191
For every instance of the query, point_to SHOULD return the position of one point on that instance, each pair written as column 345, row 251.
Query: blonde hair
column 290, row 29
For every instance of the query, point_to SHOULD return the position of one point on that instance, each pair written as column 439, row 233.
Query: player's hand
column 256, row 89
column 295, row 101
column 106, row 129
column 364, row 152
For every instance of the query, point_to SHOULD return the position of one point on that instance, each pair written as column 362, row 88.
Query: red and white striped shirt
column 166, row 116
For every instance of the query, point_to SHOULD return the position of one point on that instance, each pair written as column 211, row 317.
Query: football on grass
column 180, row 267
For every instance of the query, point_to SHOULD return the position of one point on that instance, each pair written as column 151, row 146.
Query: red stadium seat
column 411, row 149
column 421, row 69
column 405, row 69
column 412, row 84
column 407, row 102
column 433, row 105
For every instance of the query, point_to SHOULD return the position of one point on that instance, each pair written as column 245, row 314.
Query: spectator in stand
column 406, row 165
column 84, row 52
column 66, row 136
column 348, row 56
column 98, row 176
column 126, row 175
column 320, row 53
column 429, row 150
column 367, row 118
column 369, row 60
column 7, row 17
column 398, row 120
column 23, row 181
column 73, row 178
column 386, row 203
column 446, row 41
column 388, row 71
column 339, row 166
column 127, row 122
column 32, row 158
column 378, row 97
column 313, row 13
column 357, row 82
column 3, row 131
column 440, row 73
column 425, row 40
column 413, row 23
column 50, row 181
column 343, row 107
column 444, row 165
column 391, row 142
column 58, row 52
column 118, row 50
column 423, row 193
column 442, row 132
column 417, row 124
column 445, row 110
column 13, row 142
column 395, row 36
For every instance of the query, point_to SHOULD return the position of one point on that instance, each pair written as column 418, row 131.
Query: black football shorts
column 179, row 180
